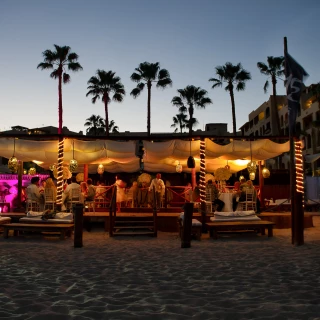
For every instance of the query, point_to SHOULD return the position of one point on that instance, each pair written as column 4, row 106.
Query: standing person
column 91, row 191
column 213, row 193
column 159, row 188
column 120, row 191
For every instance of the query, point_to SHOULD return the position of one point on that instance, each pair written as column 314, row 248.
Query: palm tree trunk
column 149, row 108
column 60, row 101
column 274, row 107
column 233, row 109
column 190, row 119
column 107, row 116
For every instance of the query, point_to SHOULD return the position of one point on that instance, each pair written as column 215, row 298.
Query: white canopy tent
column 119, row 156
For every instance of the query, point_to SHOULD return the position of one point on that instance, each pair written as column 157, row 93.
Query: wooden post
column 261, row 186
column 187, row 225
column 78, row 224
column 20, row 173
column 193, row 178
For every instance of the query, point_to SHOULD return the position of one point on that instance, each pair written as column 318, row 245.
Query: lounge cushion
column 39, row 220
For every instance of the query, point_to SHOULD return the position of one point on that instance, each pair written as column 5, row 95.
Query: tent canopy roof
column 119, row 156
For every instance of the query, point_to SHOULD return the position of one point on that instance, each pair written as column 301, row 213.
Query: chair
column 250, row 203
column 90, row 204
column 33, row 206
column 208, row 202
column 49, row 202
column 74, row 197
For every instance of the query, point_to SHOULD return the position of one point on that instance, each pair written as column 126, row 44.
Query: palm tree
column 274, row 69
column 96, row 125
column 179, row 121
column 192, row 123
column 146, row 74
column 191, row 97
column 103, row 86
column 233, row 75
column 60, row 60
column 113, row 127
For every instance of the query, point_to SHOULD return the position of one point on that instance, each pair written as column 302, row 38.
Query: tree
column 274, row 69
column 113, row 127
column 233, row 76
column 192, row 123
column 146, row 74
column 96, row 125
column 189, row 98
column 60, row 60
column 103, row 86
column 180, row 121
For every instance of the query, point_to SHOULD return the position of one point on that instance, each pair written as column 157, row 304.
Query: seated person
column 66, row 193
column 236, row 195
column 33, row 193
column 213, row 193
column 51, row 186
column 91, row 192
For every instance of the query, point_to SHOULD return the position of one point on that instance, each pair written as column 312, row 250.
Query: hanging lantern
column 32, row 171
column 13, row 161
column 13, row 164
column 241, row 177
column 24, row 171
column 265, row 172
column 73, row 165
column 252, row 166
column 179, row 168
column 52, row 167
column 191, row 163
column 252, row 175
column 227, row 166
column 100, row 169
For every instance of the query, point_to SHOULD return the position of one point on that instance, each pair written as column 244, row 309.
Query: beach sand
column 242, row 276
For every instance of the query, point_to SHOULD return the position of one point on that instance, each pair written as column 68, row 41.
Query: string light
column 202, row 171
column 299, row 168
column 60, row 172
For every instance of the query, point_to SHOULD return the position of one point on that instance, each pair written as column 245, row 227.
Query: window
column 267, row 112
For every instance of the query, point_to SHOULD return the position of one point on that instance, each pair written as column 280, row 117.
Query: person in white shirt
column 159, row 188
column 33, row 193
column 66, row 192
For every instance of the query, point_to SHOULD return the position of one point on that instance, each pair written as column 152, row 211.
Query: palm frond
column 44, row 65
column 164, row 83
column 136, row 77
column 66, row 78
column 74, row 66
column 135, row 92
column 266, row 86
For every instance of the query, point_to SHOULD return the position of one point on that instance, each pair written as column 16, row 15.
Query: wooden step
column 140, row 233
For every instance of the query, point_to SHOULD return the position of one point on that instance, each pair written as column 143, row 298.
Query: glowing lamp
column 100, row 169
column 241, row 177
column 13, row 164
column 179, row 168
column 265, row 172
column 32, row 171
column 73, row 165
column 252, row 175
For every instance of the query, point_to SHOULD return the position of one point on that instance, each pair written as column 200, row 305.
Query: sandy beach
column 243, row 276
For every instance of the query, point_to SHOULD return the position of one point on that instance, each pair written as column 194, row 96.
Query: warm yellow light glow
column 241, row 162
column 37, row 162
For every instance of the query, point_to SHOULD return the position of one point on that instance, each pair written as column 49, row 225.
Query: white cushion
column 248, row 218
column 196, row 223
column 39, row 220
column 34, row 214
column 64, row 215
column 235, row 213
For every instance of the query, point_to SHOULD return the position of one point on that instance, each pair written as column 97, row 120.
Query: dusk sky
column 188, row 38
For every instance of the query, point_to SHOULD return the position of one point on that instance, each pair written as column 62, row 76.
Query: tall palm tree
column 60, row 60
column 233, row 76
column 96, row 125
column 274, row 69
column 146, row 74
column 189, row 98
column 192, row 123
column 103, row 86
column 180, row 121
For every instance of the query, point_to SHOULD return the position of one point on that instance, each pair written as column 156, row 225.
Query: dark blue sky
column 189, row 38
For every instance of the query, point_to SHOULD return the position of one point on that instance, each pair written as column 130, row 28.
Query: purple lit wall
column 9, row 188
